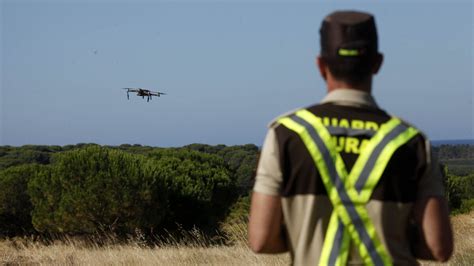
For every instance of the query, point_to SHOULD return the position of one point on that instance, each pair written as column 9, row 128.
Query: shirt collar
column 350, row 97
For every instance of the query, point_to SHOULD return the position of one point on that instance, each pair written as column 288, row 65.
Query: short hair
column 350, row 70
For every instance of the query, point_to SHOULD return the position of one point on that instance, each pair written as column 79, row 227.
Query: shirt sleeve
column 268, row 178
column 431, row 181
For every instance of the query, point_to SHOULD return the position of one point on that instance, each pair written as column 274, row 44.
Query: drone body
column 144, row 93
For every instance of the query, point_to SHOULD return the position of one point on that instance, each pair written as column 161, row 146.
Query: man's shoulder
column 410, row 124
column 274, row 122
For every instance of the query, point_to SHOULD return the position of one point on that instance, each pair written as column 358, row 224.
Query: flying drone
column 144, row 93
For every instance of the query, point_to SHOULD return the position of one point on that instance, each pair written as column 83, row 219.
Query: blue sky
column 228, row 68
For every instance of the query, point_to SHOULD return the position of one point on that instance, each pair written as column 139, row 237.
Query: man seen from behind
column 343, row 182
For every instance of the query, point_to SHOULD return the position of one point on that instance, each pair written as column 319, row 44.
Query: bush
column 15, row 205
column 460, row 193
column 199, row 186
column 466, row 205
column 94, row 188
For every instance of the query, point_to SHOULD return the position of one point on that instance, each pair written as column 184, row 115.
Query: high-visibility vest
column 350, row 192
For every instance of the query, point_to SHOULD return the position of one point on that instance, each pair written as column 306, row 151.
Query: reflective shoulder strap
column 320, row 147
column 373, row 160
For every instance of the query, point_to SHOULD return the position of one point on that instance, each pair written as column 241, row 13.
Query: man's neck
column 365, row 86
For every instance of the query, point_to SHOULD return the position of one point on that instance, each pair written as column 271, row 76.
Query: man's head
column 349, row 48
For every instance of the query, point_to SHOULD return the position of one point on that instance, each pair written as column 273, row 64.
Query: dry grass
column 23, row 251
column 194, row 251
column 71, row 254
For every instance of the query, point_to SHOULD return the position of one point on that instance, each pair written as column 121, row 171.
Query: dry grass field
column 23, row 251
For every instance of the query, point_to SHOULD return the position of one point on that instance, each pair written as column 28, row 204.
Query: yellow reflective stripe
column 326, row 137
column 370, row 228
column 290, row 124
column 383, row 160
column 365, row 154
column 334, row 193
column 344, row 251
column 317, row 158
column 338, row 246
column 348, row 52
column 329, row 239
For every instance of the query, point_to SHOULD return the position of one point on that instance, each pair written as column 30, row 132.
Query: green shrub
column 94, row 188
column 460, row 192
column 240, row 160
column 199, row 185
column 15, row 205
column 466, row 205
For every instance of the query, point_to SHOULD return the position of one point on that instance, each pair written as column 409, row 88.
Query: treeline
column 86, row 188
column 458, row 161
column 453, row 152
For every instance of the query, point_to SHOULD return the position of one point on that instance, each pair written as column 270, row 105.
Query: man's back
column 352, row 118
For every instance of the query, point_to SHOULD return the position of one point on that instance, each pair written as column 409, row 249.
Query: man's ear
column 378, row 63
column 322, row 67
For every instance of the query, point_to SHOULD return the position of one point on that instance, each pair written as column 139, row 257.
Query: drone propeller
column 157, row 93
